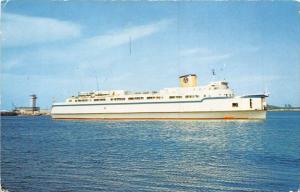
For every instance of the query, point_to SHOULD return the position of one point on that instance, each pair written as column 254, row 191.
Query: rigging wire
column 178, row 65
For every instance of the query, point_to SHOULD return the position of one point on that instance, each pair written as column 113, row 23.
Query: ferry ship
column 187, row 102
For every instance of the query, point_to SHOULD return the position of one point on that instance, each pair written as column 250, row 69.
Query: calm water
column 39, row 154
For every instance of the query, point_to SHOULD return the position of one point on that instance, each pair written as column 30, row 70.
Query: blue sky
column 57, row 48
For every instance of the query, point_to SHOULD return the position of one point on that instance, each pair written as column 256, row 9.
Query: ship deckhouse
column 188, row 90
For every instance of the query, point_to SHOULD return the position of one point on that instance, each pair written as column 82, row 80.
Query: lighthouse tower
column 33, row 99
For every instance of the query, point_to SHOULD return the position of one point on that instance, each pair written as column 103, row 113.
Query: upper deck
column 185, row 93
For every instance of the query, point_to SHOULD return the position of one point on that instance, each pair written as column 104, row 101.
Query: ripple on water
column 39, row 154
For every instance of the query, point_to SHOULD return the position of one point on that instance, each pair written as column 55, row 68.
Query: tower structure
column 33, row 99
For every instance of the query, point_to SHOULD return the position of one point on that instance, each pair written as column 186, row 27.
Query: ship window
column 191, row 96
column 117, row 99
column 70, row 100
column 250, row 103
column 157, row 97
column 235, row 104
column 135, row 98
column 99, row 99
column 204, row 95
column 225, row 84
column 175, row 97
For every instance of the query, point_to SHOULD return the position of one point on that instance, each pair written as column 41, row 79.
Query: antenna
column 223, row 70
column 129, row 45
column 13, row 105
column 97, row 82
column 266, row 92
column 213, row 74
column 53, row 99
column 96, row 76
column 4, row 2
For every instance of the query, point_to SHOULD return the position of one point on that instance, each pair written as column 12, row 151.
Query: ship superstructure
column 189, row 101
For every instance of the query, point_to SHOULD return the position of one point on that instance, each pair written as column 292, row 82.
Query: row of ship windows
column 122, row 99
column 142, row 98
column 137, row 98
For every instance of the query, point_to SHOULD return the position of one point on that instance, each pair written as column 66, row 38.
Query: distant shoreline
column 284, row 110
column 13, row 113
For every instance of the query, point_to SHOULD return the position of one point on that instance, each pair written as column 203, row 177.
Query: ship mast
column 129, row 45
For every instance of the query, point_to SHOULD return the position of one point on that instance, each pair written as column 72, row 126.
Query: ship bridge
column 218, row 85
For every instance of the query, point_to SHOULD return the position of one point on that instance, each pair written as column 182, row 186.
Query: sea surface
column 39, row 154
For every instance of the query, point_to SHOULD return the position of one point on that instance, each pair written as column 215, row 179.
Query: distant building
column 27, row 110
column 33, row 109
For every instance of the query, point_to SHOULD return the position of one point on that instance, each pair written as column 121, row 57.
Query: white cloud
column 203, row 55
column 117, row 38
column 89, row 49
column 194, row 51
column 20, row 30
column 82, row 54
column 259, row 78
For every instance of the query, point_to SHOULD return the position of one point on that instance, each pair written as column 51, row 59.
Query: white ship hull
column 166, row 116
column 210, row 108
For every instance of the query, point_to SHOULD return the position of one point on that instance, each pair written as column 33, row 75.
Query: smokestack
column 189, row 80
